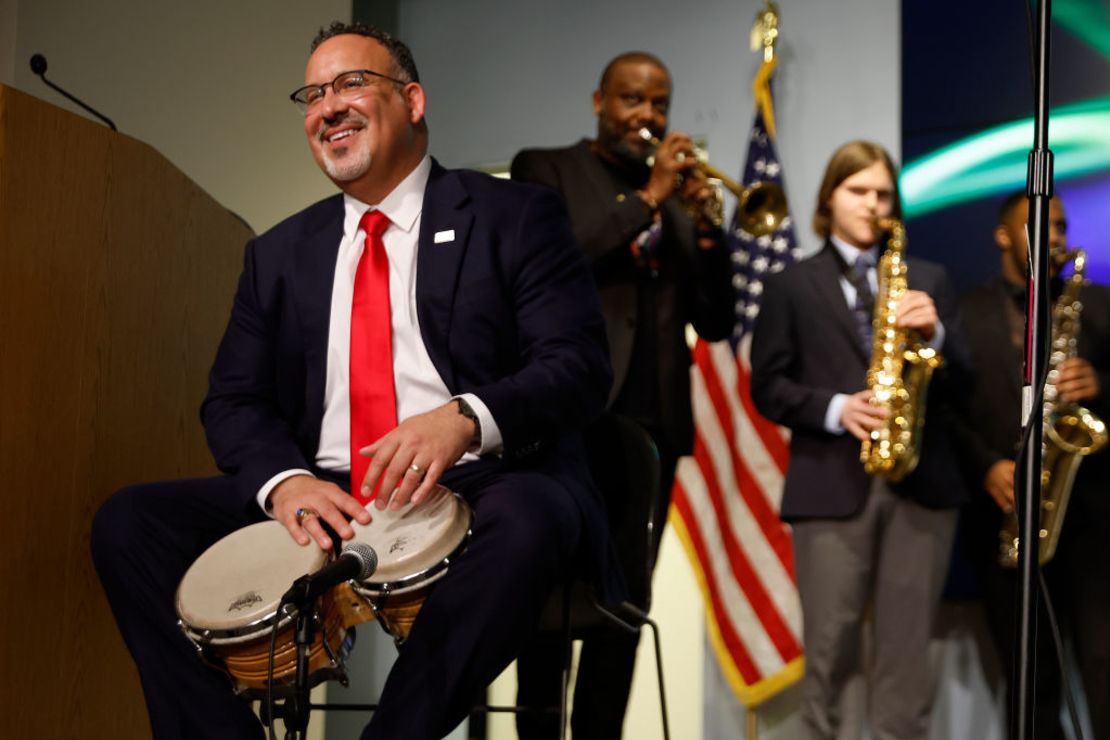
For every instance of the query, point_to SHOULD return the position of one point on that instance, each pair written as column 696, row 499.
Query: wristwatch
column 466, row 410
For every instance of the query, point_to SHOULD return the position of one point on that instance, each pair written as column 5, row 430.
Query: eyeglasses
column 349, row 85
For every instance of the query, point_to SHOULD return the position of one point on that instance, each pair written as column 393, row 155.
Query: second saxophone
column 1070, row 432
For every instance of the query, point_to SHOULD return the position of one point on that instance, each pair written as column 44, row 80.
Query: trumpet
column 760, row 208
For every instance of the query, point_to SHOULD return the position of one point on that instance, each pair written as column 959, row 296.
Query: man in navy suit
column 498, row 359
column 860, row 543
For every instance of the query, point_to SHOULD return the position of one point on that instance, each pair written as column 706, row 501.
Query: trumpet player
column 861, row 543
column 995, row 323
column 657, row 269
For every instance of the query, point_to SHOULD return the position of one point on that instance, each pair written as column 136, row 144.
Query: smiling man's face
column 367, row 142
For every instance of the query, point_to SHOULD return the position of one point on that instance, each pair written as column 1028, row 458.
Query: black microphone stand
column 1039, row 189
column 38, row 67
column 296, row 708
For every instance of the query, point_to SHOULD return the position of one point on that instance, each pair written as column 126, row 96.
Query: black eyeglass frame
column 303, row 105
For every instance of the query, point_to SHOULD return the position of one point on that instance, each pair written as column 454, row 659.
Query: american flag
column 726, row 498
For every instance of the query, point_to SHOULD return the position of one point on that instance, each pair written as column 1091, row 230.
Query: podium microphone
column 38, row 66
column 358, row 561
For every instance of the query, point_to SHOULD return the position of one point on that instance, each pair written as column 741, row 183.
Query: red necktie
column 373, row 399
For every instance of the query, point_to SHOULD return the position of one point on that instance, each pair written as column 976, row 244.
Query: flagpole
column 764, row 36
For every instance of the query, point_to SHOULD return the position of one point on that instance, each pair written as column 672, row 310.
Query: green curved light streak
column 1087, row 19
column 994, row 161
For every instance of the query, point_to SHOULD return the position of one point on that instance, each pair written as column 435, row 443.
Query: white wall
column 205, row 82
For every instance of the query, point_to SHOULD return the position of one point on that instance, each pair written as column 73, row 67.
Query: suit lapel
column 315, row 275
column 826, row 278
column 438, row 264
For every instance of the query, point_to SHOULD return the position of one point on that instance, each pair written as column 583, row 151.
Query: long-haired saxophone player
column 860, row 540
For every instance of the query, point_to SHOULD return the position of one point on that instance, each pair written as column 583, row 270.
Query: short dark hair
column 846, row 161
column 1010, row 203
column 631, row 57
column 404, row 66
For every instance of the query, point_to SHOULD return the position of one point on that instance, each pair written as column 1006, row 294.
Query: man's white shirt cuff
column 264, row 492
column 832, row 414
column 491, row 442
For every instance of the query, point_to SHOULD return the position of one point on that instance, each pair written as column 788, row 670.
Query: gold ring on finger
column 303, row 512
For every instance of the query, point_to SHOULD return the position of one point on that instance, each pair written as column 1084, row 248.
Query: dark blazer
column 994, row 409
column 693, row 286
column 805, row 349
column 507, row 310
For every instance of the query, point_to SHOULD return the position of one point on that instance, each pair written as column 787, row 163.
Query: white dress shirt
column 417, row 382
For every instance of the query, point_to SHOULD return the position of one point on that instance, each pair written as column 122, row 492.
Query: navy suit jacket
column 806, row 349
column 507, row 311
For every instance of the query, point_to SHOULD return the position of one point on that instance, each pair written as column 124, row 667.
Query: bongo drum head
column 414, row 544
column 234, row 588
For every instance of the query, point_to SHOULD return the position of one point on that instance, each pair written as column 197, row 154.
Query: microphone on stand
column 38, row 66
column 358, row 561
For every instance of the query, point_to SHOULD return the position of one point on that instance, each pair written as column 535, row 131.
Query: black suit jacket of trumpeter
column 693, row 286
column 507, row 310
column 805, row 349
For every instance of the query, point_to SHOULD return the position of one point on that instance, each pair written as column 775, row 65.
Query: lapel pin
column 445, row 236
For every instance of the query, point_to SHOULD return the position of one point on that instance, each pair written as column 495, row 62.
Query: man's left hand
column 1077, row 381
column 411, row 458
column 917, row 311
column 697, row 194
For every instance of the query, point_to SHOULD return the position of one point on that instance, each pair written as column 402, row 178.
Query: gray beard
column 351, row 167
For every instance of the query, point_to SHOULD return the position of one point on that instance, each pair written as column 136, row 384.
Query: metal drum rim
column 425, row 577
column 242, row 633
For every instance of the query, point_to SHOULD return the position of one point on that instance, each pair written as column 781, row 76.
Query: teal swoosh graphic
column 994, row 161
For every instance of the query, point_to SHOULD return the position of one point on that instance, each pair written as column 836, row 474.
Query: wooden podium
column 116, row 278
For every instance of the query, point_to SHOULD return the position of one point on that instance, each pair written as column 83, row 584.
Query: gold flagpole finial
column 765, row 30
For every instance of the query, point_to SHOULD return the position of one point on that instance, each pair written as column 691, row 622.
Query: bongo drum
column 227, row 604
column 415, row 545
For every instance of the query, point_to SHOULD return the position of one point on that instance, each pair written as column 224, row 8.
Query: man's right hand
column 999, row 483
column 859, row 417
column 322, row 500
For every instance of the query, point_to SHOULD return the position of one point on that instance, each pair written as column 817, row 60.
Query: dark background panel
column 969, row 70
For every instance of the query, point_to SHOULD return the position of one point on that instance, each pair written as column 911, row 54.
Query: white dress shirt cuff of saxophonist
column 850, row 254
column 418, row 385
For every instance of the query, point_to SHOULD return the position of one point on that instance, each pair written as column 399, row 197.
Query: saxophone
column 1070, row 432
column 901, row 368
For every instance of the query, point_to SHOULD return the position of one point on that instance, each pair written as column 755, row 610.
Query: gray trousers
column 892, row 556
